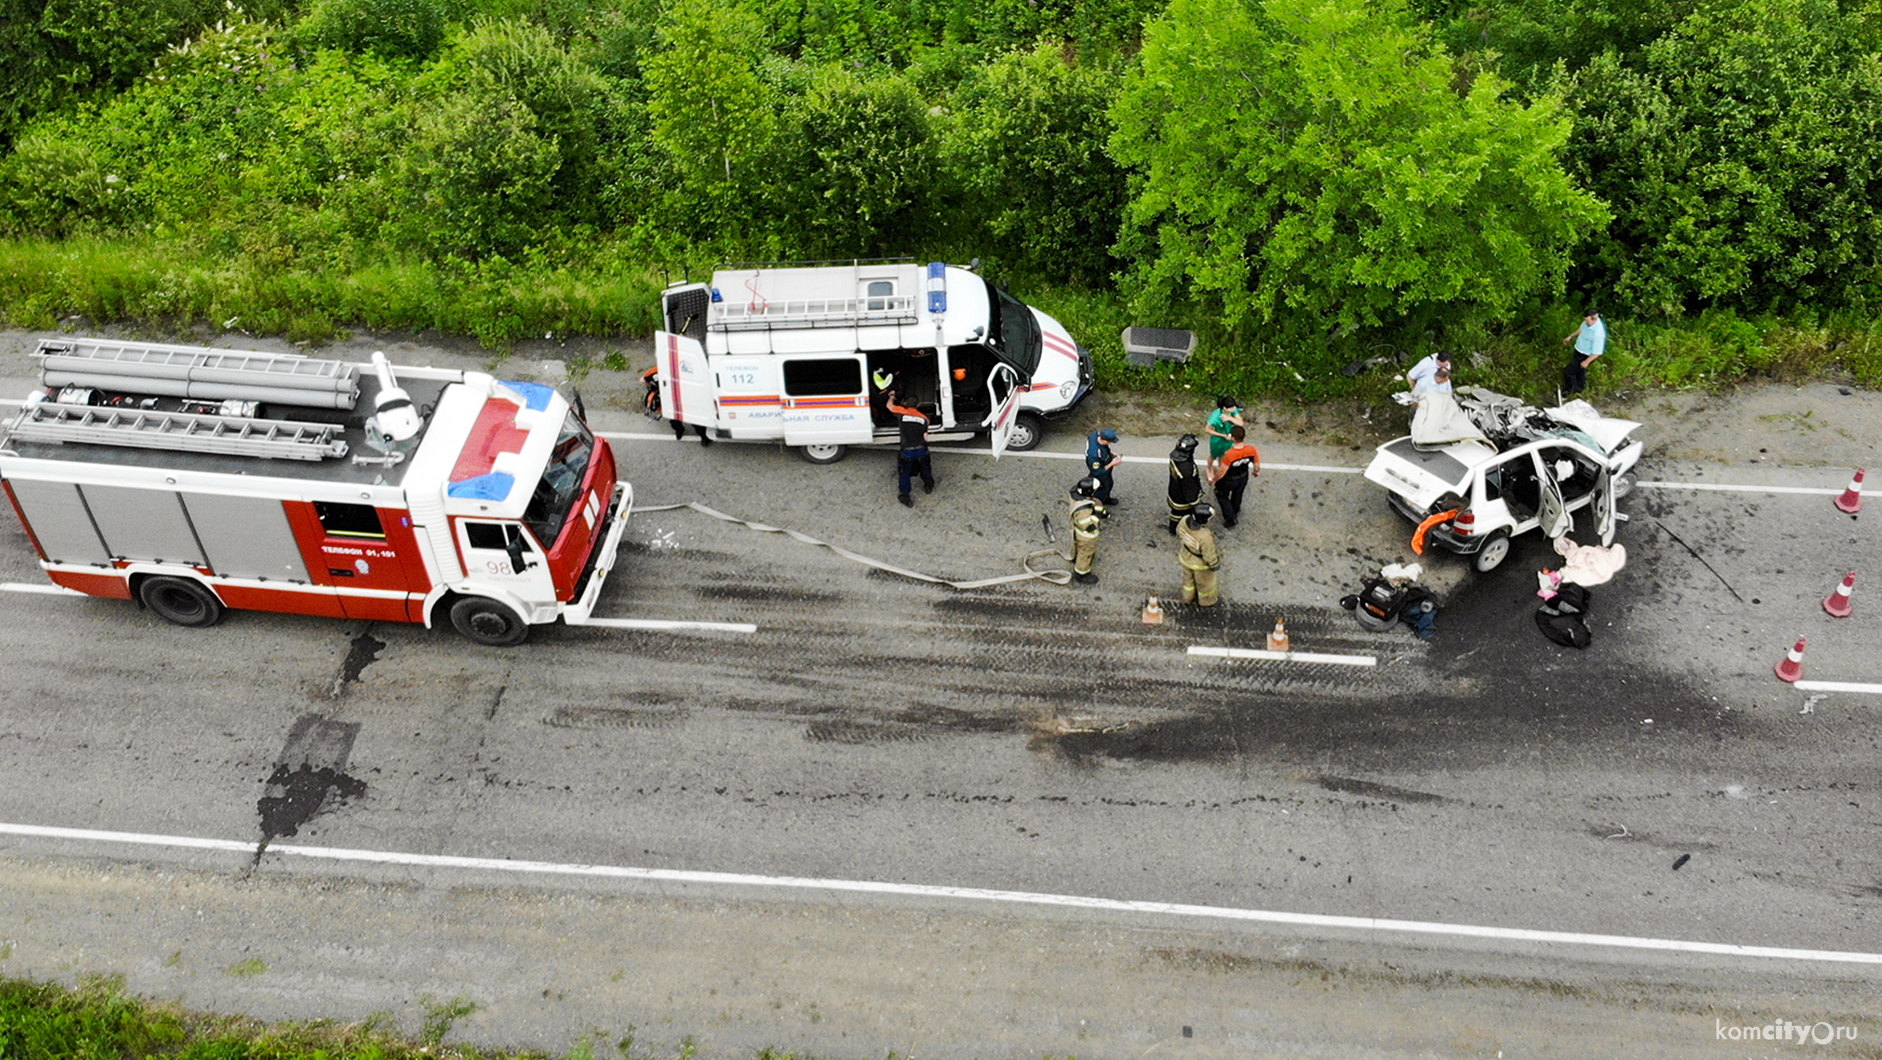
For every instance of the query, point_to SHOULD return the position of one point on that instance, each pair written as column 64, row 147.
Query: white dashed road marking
column 1284, row 656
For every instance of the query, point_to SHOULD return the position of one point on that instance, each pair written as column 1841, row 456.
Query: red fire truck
column 193, row 480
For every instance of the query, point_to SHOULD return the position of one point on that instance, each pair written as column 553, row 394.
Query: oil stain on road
column 310, row 771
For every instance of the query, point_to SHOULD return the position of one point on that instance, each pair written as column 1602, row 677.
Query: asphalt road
column 1027, row 738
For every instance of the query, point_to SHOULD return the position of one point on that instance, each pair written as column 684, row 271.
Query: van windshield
column 1015, row 332
column 561, row 485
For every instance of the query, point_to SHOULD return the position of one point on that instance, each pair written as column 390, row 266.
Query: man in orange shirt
column 1232, row 473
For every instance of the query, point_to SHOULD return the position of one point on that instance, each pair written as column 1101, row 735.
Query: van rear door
column 685, row 380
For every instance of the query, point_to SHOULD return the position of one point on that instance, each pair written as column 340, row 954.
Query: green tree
column 478, row 178
column 713, row 121
column 1027, row 142
column 1310, row 164
column 858, row 167
column 1741, row 153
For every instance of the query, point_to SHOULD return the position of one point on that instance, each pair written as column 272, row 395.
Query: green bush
column 409, row 29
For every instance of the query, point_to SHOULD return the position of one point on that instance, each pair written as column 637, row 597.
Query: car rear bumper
column 1441, row 535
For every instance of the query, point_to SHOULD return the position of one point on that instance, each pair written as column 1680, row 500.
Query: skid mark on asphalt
column 1352, row 786
column 310, row 769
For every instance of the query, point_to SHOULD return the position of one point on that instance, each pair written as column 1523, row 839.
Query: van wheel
column 823, row 454
column 180, row 600
column 488, row 622
column 1028, row 431
column 1493, row 552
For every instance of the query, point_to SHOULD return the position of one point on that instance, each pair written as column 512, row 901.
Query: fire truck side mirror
column 513, row 544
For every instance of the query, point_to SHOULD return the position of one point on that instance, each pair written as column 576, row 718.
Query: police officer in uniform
column 1200, row 556
column 1087, row 510
column 1185, row 480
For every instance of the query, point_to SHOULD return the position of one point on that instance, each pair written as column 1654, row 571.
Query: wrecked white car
column 1506, row 468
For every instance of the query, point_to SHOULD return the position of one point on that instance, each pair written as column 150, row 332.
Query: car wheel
column 1028, row 431
column 180, row 600
column 1493, row 552
column 1374, row 622
column 823, row 454
column 488, row 622
column 1621, row 486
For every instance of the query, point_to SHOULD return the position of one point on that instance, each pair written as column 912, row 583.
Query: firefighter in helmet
column 1200, row 556
column 1086, row 511
column 1185, row 480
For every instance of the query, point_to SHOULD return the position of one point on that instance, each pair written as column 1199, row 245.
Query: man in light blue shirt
column 1591, row 341
column 1420, row 375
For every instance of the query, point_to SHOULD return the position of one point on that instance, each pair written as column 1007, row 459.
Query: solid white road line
column 725, row 879
column 1284, row 656
column 1725, row 488
column 628, row 436
column 676, row 627
column 1835, row 686
column 1323, row 469
column 48, row 590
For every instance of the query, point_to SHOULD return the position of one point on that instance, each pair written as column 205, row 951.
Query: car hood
column 1608, row 433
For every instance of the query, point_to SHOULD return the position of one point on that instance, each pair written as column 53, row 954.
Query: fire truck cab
column 196, row 480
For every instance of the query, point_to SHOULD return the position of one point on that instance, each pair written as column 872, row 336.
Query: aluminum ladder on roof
column 761, row 315
column 181, row 431
column 198, row 372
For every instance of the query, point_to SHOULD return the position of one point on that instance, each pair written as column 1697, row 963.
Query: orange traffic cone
column 1837, row 603
column 1793, row 665
column 1851, row 500
column 1153, row 612
column 1277, row 641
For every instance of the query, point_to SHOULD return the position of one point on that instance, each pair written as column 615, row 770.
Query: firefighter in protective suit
column 1185, row 480
column 1086, row 513
column 1200, row 556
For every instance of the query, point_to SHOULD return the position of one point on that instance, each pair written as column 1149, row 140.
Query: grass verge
column 97, row 1020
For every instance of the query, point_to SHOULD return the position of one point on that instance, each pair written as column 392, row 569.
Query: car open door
column 1003, row 382
column 685, row 380
column 1552, row 515
column 1604, row 507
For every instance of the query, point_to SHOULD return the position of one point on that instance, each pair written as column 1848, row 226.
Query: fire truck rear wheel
column 823, row 454
column 488, row 622
column 180, row 600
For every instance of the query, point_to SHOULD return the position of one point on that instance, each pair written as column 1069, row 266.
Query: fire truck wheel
column 823, row 454
column 1028, row 431
column 180, row 600
column 488, row 622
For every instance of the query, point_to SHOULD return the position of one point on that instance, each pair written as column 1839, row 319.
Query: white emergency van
column 788, row 352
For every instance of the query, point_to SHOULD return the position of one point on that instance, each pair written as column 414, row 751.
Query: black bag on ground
column 1563, row 619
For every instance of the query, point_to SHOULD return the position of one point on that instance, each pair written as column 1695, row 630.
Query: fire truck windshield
column 561, row 486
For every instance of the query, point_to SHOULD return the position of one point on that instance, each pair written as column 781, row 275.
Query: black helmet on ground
column 1188, row 441
column 1202, row 513
column 1085, row 487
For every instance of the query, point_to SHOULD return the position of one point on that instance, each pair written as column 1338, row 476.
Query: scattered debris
column 1683, row 859
column 1810, row 705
